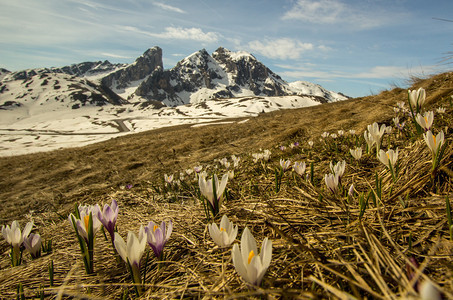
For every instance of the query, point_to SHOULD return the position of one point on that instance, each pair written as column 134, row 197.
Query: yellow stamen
column 222, row 229
column 434, row 139
column 426, row 120
column 86, row 219
column 251, row 255
column 155, row 228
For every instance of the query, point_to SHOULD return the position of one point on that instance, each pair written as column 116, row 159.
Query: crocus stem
column 137, row 279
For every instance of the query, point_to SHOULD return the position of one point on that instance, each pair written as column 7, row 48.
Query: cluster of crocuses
column 20, row 240
column 264, row 156
column 250, row 265
column 88, row 220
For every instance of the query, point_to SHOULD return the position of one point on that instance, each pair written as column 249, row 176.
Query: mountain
column 84, row 103
column 225, row 74
column 84, row 69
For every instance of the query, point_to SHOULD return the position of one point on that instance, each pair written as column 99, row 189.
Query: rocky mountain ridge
column 194, row 79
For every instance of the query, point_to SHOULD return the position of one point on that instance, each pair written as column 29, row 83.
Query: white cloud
column 115, row 55
column 169, row 7
column 358, row 16
column 178, row 33
column 323, row 11
column 284, row 48
column 377, row 72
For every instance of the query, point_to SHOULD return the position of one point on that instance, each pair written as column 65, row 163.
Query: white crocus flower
column 425, row 121
column 388, row 158
column 82, row 223
column 251, row 266
column 331, row 181
column 440, row 110
column 338, row 169
column 299, row 168
column 226, row 234
column 235, row 160
column 285, row 164
column 417, row 98
column 14, row 236
column 434, row 142
column 132, row 251
column 376, row 133
column 356, row 153
column 428, row 291
column 207, row 189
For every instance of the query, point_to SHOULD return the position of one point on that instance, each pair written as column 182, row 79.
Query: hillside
column 321, row 248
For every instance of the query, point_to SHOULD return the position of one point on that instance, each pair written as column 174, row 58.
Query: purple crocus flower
column 157, row 236
column 108, row 217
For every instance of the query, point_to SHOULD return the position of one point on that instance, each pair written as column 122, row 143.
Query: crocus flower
column 132, row 252
column 388, row 158
column 226, row 234
column 417, row 98
column 340, row 132
column 369, row 140
column 310, row 143
column 425, row 121
column 331, row 182
column 198, row 169
column 356, row 153
column 376, row 133
column 168, row 179
column 325, row 134
column 285, row 164
column 299, row 168
column 251, row 266
column 352, row 131
column 13, row 234
column 235, row 160
column 207, row 190
column 15, row 238
column 33, row 245
column 338, row 169
column 108, row 217
column 157, row 236
column 230, row 174
column 440, row 110
column 434, row 142
column 82, row 223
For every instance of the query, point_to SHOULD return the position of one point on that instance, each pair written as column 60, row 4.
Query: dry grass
column 321, row 248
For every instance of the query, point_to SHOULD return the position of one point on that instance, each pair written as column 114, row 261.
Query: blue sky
column 357, row 47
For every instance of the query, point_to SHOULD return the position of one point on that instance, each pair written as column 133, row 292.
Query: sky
column 357, row 47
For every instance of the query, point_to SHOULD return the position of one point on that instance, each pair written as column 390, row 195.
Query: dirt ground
column 53, row 181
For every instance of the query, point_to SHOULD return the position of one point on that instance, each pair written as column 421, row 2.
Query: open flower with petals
column 168, row 178
column 434, row 142
column 299, row 168
column 356, row 153
column 251, row 266
column 82, row 223
column 213, row 192
column 108, row 217
column 15, row 237
column 425, row 121
column 33, row 244
column 157, row 236
column 285, row 164
column 331, row 181
column 235, row 160
column 226, row 234
column 388, row 158
column 338, row 168
column 440, row 110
